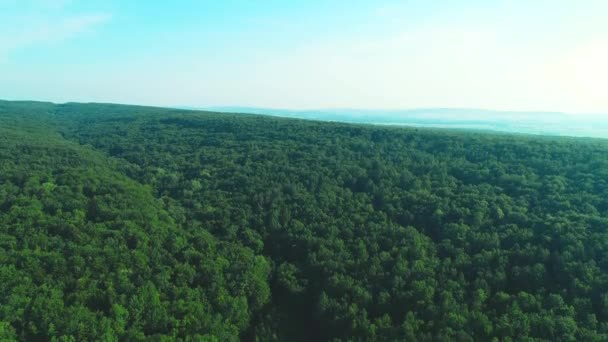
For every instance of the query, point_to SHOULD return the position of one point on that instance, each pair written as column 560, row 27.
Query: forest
column 129, row 223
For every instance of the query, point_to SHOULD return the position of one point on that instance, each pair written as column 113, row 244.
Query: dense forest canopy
column 138, row 223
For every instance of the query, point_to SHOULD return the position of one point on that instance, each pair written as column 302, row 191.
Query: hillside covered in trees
column 126, row 223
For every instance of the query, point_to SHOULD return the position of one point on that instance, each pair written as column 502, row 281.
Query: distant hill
column 545, row 123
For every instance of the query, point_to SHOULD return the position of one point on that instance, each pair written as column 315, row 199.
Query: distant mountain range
column 545, row 123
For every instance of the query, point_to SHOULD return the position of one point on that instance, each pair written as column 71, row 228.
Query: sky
column 539, row 55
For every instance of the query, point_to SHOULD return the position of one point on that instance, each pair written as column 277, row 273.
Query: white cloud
column 43, row 22
column 54, row 30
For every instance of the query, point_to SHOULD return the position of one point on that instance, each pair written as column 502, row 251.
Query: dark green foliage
column 137, row 223
column 89, row 253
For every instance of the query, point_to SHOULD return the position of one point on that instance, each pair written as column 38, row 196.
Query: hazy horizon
column 518, row 122
column 342, row 110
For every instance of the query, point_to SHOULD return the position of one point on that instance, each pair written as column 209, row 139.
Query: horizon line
column 228, row 108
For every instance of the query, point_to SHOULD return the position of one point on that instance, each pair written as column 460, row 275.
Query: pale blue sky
column 506, row 55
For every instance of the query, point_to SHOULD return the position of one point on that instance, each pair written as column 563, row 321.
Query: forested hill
column 126, row 223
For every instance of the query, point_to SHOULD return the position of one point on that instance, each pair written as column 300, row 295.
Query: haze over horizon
column 501, row 55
